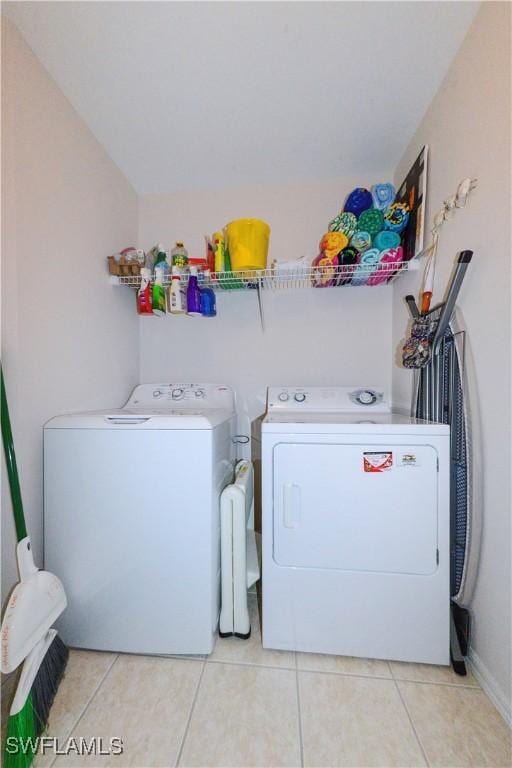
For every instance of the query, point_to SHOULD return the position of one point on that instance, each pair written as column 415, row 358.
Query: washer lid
column 142, row 418
column 159, row 406
column 293, row 423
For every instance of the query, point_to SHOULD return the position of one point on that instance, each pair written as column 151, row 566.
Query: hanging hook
column 240, row 439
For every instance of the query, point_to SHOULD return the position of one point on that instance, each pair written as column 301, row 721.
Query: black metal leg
column 457, row 658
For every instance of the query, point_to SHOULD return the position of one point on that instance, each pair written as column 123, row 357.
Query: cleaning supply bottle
column 154, row 253
column 207, row 298
column 158, row 293
column 208, row 303
column 210, row 255
column 160, row 261
column 193, row 295
column 219, row 250
column 176, row 302
column 179, row 255
column 144, row 297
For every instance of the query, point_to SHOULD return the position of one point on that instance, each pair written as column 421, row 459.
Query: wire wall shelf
column 282, row 277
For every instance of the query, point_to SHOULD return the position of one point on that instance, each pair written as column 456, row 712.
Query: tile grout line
column 299, row 712
column 423, row 752
column 86, row 707
column 344, row 674
column 400, row 679
column 189, row 719
column 249, row 664
column 437, row 682
column 359, row 676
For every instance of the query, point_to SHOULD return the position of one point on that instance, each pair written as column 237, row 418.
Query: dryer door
column 357, row 507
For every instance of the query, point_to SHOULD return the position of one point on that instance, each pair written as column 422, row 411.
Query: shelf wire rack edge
column 291, row 278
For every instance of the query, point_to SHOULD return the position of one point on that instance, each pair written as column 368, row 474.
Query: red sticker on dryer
column 374, row 461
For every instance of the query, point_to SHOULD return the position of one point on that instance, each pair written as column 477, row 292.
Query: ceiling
column 199, row 94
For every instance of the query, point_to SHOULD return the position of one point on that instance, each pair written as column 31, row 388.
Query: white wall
column 324, row 336
column 468, row 129
column 70, row 340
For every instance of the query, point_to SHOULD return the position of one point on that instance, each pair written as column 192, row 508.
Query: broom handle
column 12, row 469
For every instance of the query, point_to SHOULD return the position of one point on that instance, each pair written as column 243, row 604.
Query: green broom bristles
column 22, row 738
column 25, row 727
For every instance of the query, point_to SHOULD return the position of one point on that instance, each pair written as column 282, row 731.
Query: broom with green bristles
column 26, row 634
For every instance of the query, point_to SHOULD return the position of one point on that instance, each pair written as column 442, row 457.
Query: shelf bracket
column 260, row 305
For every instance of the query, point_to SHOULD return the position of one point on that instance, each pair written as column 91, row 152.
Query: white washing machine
column 355, row 527
column 132, row 522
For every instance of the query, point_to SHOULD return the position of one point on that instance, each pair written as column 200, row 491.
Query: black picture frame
column 413, row 191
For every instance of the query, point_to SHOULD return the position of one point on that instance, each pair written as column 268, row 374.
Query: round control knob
column 199, row 393
column 366, row 397
column 177, row 394
column 300, row 397
column 157, row 393
column 283, row 396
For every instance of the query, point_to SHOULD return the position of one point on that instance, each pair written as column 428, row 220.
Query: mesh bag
column 417, row 350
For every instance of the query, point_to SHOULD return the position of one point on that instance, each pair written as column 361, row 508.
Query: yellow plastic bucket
column 247, row 241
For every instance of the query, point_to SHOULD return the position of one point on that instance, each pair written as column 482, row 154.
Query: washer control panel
column 327, row 399
column 182, row 396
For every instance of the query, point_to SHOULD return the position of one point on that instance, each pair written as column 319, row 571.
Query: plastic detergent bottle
column 210, row 255
column 207, row 298
column 208, row 303
column 176, row 302
column 144, row 297
column 161, row 261
column 158, row 293
column 193, row 294
column 152, row 256
column 179, row 255
column 219, row 250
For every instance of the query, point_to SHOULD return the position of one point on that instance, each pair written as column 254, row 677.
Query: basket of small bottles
column 127, row 262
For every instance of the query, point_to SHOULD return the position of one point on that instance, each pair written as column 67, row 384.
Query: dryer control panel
column 327, row 399
column 182, row 396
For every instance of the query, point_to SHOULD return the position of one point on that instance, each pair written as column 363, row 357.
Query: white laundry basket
column 239, row 557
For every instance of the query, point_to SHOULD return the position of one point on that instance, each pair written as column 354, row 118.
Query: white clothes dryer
column 355, row 527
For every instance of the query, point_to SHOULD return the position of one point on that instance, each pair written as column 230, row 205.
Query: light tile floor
column 246, row 706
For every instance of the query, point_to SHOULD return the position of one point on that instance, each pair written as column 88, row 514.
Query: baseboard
column 491, row 687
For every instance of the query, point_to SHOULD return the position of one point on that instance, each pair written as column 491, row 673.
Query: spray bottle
column 158, row 293
column 193, row 294
column 207, row 298
column 219, row 251
column 144, row 297
column 210, row 255
column 176, row 301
